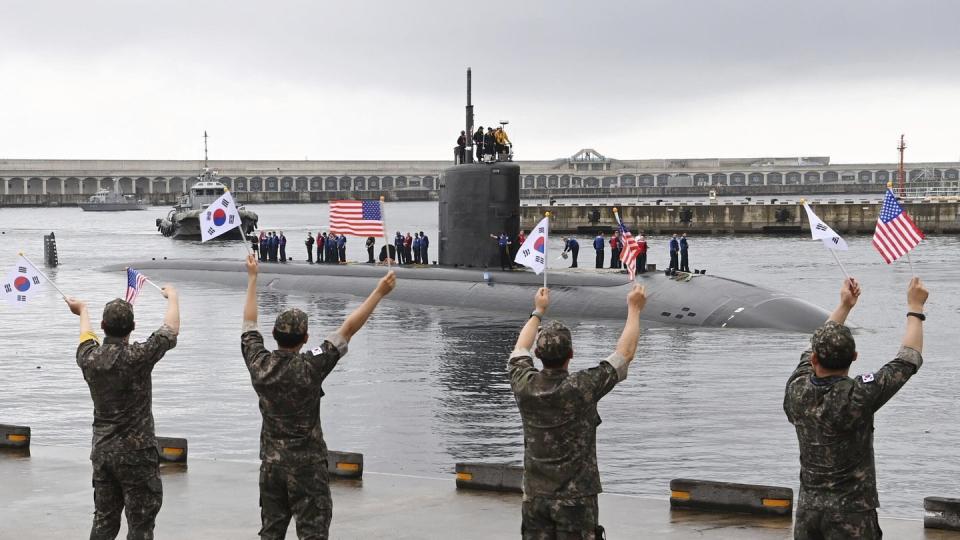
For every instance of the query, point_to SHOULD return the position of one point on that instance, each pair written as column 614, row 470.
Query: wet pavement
column 49, row 495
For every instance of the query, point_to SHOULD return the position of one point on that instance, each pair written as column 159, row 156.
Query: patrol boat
column 106, row 200
column 183, row 221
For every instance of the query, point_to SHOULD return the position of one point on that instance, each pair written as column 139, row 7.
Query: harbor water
column 424, row 387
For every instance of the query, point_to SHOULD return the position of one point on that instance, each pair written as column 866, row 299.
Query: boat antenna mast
column 900, row 171
column 468, row 158
column 204, row 149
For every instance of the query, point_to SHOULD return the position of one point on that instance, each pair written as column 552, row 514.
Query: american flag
column 356, row 218
column 896, row 233
column 629, row 251
column 135, row 281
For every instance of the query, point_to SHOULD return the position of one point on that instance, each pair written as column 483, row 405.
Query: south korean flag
column 221, row 216
column 533, row 251
column 22, row 284
column 821, row 231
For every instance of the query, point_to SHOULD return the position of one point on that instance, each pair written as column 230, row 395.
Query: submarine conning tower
column 477, row 200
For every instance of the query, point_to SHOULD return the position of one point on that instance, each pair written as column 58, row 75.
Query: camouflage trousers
column 126, row 482
column 561, row 519
column 301, row 491
column 831, row 525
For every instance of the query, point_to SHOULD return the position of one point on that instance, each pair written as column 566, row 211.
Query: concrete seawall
column 48, row 495
column 243, row 197
column 627, row 193
column 933, row 217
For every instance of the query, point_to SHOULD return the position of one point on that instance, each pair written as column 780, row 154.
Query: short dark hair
column 288, row 341
column 553, row 363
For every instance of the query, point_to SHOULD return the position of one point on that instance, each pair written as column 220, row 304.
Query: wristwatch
column 920, row 316
column 537, row 314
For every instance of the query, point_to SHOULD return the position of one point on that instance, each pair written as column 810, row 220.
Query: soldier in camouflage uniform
column 833, row 416
column 559, row 412
column 293, row 470
column 126, row 472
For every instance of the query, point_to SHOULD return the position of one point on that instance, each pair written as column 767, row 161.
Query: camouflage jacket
column 118, row 375
column 833, row 417
column 289, row 388
column 560, row 419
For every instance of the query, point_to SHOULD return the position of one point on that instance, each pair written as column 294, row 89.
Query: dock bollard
column 345, row 464
column 17, row 437
column 728, row 497
column 941, row 513
column 172, row 450
column 490, row 477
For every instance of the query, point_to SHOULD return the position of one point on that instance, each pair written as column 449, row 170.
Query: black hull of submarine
column 704, row 300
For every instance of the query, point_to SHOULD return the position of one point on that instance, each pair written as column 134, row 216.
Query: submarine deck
column 49, row 495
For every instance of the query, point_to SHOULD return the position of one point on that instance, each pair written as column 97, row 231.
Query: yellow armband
column 89, row 335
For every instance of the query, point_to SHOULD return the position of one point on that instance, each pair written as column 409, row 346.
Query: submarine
column 480, row 198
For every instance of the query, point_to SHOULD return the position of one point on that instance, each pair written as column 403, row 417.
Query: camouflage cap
column 554, row 341
column 833, row 343
column 118, row 314
column 292, row 321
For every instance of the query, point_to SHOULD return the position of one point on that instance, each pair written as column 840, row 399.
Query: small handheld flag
column 533, row 251
column 357, row 218
column 821, row 231
column 896, row 234
column 220, row 217
column 23, row 283
column 135, row 281
column 630, row 250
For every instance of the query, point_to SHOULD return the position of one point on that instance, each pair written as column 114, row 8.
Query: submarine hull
column 702, row 301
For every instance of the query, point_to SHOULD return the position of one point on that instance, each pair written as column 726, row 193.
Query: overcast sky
column 386, row 79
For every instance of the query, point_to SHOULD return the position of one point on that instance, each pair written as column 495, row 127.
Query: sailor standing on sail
column 598, row 245
column 674, row 250
column 684, row 258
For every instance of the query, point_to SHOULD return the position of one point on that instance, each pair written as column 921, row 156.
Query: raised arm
column 250, row 306
column 356, row 320
column 627, row 344
column 529, row 332
column 78, row 307
column 172, row 317
column 916, row 298
column 849, row 294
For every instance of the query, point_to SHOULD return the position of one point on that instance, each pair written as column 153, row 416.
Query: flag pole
column 386, row 243
column 909, row 260
column 546, row 260
column 834, row 253
column 42, row 274
column 239, row 226
column 616, row 215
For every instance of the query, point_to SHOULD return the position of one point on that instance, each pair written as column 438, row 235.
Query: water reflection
column 476, row 413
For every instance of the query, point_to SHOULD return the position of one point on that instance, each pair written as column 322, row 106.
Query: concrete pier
column 49, row 495
column 843, row 215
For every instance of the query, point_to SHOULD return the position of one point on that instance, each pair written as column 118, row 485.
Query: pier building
column 583, row 173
